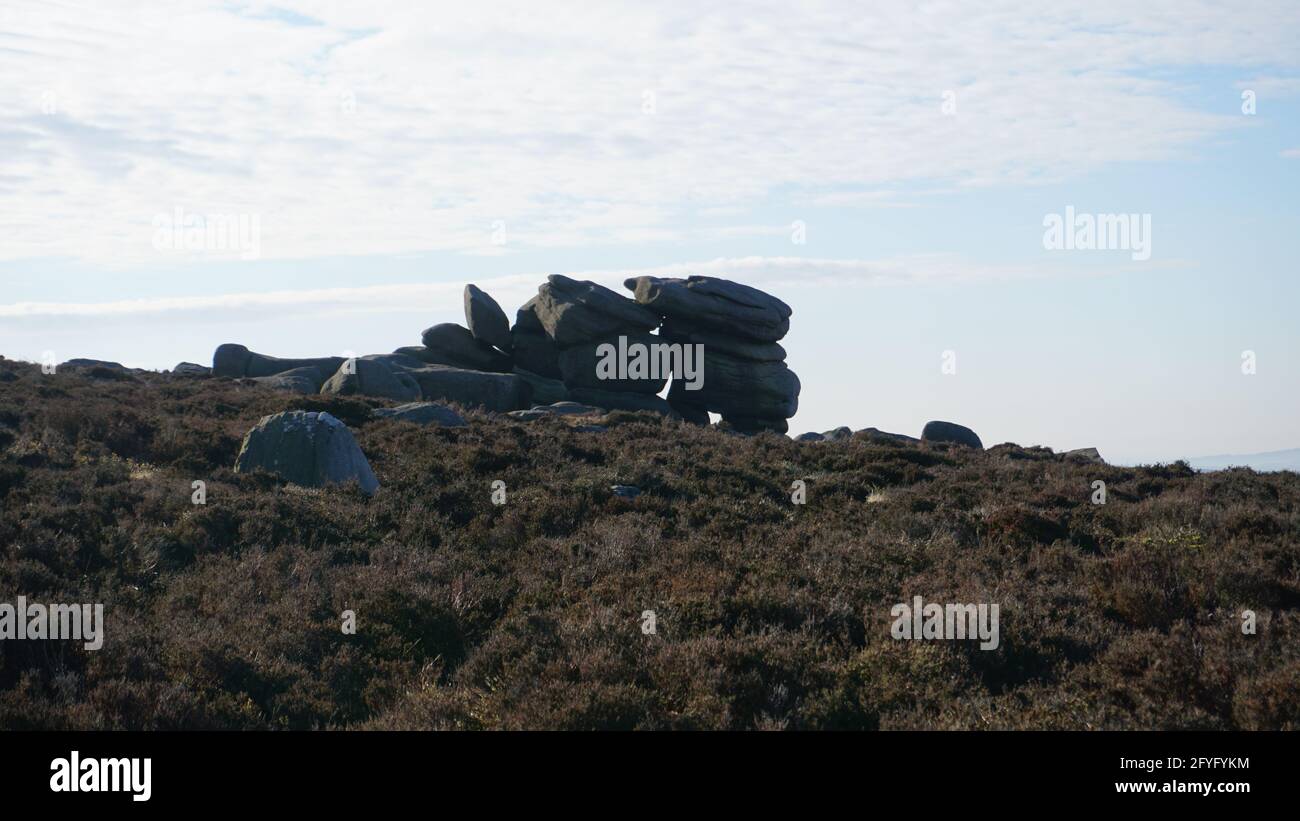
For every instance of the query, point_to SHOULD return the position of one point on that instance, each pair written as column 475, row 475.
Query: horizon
column 911, row 184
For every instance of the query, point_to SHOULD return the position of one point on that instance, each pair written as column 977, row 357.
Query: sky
column 890, row 172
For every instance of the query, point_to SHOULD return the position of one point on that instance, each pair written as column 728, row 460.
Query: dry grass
column 769, row 615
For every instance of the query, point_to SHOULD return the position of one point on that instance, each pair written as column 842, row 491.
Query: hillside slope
column 529, row 614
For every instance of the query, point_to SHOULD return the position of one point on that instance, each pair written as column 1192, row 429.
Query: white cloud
column 513, row 290
column 399, row 127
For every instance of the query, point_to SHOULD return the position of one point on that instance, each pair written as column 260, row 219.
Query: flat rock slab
column 718, row 304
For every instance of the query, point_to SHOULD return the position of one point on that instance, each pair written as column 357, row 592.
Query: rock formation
column 745, row 378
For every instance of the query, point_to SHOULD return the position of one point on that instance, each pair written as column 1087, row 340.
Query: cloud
column 1292, row 153
column 395, row 128
column 515, row 289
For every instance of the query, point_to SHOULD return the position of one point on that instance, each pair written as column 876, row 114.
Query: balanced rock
column 306, row 448
column 533, row 350
column 451, row 344
column 485, row 319
column 950, row 432
column 572, row 311
column 421, row 413
column 717, row 304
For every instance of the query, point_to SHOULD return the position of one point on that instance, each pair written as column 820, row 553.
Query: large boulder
column 450, row 344
column 306, row 448
column 950, row 432
column 485, row 319
column 191, row 369
column 1084, row 455
column 580, row 365
column 717, row 304
column 741, row 388
column 498, row 392
column 236, row 361
column 877, row 434
column 299, row 380
column 572, row 311
column 421, row 413
column 372, row 377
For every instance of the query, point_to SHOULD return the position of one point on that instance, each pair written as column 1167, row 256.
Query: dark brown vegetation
column 769, row 615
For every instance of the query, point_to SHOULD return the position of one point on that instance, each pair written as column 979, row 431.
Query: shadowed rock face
column 485, row 319
column 306, row 448
column 579, row 363
column 451, row 344
column 545, row 391
column 720, row 305
column 573, row 312
column 675, row 330
column 742, row 388
column 372, row 377
column 614, row 400
column 498, row 392
column 950, row 432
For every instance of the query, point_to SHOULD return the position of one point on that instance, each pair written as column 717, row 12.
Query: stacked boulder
column 576, row 320
column 577, row 341
column 745, row 378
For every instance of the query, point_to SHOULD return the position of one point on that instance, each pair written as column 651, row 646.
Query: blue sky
column 392, row 154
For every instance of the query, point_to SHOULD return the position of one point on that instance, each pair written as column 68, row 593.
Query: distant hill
column 1273, row 460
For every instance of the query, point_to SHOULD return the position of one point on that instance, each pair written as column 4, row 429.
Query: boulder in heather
column 950, row 432
column 557, row 409
column 191, row 369
column 306, row 448
column 421, row 413
column 485, row 319
column 717, row 304
column 881, row 435
column 810, row 436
